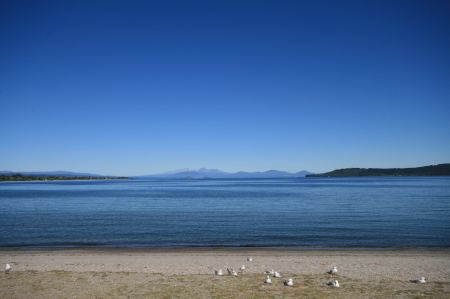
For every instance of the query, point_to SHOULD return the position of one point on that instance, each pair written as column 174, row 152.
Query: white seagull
column 268, row 280
column 277, row 274
column 271, row 272
column 8, row 268
column 242, row 268
column 218, row 272
column 234, row 273
column 289, row 282
column 249, row 259
column 421, row 280
column 333, row 270
column 334, row 284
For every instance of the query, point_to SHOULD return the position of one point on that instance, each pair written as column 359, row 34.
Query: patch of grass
column 60, row 284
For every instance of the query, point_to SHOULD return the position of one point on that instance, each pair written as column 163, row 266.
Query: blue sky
column 137, row 87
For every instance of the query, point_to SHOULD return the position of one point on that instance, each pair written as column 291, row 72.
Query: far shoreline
column 66, row 180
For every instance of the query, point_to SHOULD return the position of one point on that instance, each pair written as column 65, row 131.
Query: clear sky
column 138, row 87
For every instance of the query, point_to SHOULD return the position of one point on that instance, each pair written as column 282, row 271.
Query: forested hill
column 21, row 177
column 431, row 170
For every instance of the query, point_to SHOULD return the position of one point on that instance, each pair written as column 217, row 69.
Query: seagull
column 268, row 280
column 277, row 274
column 234, row 273
column 8, row 268
column 420, row 280
column 334, row 284
column 271, row 272
column 289, row 282
column 333, row 270
column 218, row 272
column 249, row 259
column 242, row 268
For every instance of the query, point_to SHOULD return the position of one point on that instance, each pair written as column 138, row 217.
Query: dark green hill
column 21, row 177
column 431, row 170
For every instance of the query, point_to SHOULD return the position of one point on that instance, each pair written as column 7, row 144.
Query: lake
column 380, row 212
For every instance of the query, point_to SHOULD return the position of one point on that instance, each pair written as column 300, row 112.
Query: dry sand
column 114, row 273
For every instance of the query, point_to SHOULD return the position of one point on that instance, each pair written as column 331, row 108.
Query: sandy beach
column 188, row 273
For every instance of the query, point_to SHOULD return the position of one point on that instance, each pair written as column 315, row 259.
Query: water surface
column 316, row 212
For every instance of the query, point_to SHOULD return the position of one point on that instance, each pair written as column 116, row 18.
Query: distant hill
column 204, row 173
column 21, row 177
column 58, row 173
column 52, row 176
column 431, row 170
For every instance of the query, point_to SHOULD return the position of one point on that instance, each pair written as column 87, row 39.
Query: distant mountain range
column 216, row 174
column 430, row 170
column 201, row 173
column 205, row 173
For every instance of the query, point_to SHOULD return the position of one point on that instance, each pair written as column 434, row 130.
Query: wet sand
column 188, row 273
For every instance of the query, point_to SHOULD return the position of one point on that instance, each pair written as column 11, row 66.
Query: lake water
column 316, row 212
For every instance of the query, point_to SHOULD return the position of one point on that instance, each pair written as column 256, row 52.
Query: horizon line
column 179, row 170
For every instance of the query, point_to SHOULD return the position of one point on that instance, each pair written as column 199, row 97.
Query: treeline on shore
column 431, row 170
column 21, row 177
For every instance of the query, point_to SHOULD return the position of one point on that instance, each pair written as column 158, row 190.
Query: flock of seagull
column 268, row 280
column 290, row 282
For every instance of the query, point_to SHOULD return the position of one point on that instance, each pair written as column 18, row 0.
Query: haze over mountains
column 176, row 174
column 216, row 173
column 206, row 173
